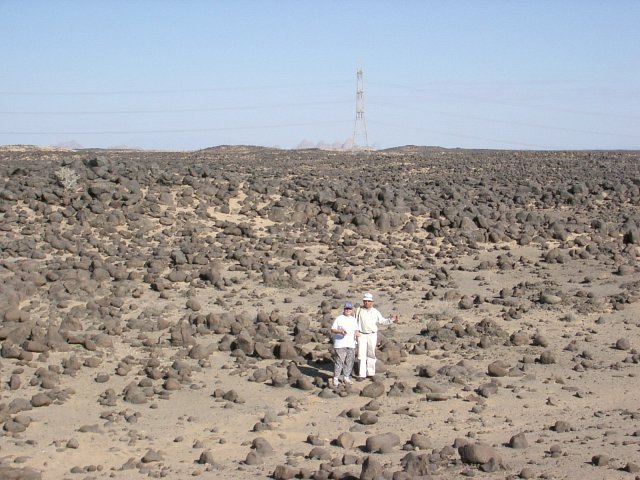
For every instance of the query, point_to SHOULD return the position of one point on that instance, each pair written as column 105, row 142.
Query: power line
column 164, row 92
column 359, row 113
column 548, row 107
column 176, row 110
column 470, row 137
column 477, row 98
column 185, row 130
column 509, row 122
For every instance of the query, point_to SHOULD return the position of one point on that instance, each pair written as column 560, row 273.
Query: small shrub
column 67, row 178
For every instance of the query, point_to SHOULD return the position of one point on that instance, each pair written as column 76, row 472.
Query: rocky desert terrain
column 167, row 314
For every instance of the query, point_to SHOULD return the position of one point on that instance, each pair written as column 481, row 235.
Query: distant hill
column 239, row 149
column 71, row 144
column 413, row 149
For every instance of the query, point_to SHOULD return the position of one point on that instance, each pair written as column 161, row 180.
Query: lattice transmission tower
column 360, row 125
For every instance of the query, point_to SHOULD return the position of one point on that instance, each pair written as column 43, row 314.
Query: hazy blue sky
column 555, row 74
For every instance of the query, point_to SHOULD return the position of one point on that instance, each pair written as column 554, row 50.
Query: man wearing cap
column 368, row 319
column 345, row 332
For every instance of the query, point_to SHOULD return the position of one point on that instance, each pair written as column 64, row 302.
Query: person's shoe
column 336, row 382
column 348, row 380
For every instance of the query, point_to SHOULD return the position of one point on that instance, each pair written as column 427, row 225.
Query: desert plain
column 167, row 314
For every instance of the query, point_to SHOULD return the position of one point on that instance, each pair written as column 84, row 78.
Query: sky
column 191, row 74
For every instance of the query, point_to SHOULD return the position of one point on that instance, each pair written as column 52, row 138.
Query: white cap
column 367, row 296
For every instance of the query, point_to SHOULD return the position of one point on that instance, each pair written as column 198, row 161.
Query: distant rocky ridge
column 72, row 145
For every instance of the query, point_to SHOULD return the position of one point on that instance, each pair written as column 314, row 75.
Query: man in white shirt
column 368, row 319
column 345, row 331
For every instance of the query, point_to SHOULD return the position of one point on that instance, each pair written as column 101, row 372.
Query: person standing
column 368, row 319
column 345, row 332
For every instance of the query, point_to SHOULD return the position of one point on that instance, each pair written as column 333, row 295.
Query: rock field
column 167, row 314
